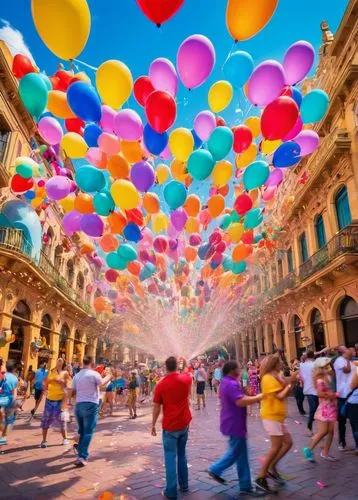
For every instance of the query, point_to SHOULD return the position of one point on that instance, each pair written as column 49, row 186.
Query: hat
column 322, row 362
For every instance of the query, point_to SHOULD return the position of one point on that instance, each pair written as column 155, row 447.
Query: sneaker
column 341, row 447
column 184, row 489
column 32, row 412
column 75, row 448
column 307, row 453
column 262, row 485
column 166, row 496
column 216, row 478
column 81, row 462
column 327, row 457
column 3, row 440
column 65, row 442
column 276, row 476
column 43, row 444
column 252, row 492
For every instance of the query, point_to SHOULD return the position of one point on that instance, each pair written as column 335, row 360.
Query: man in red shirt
column 172, row 392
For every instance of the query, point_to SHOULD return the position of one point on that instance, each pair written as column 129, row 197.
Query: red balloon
column 161, row 110
column 220, row 247
column 278, row 118
column 159, row 11
column 22, row 65
column 111, row 275
column 142, row 89
column 20, row 185
column 286, row 91
column 248, row 237
column 242, row 138
column 64, row 79
column 243, row 204
column 75, row 125
column 220, row 122
column 135, row 215
column 160, row 244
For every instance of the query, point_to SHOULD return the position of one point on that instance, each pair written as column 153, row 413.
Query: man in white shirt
column 344, row 370
column 86, row 386
column 309, row 390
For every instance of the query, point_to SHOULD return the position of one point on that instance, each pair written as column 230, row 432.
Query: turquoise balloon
column 174, row 194
column 255, row 175
column 103, row 203
column 24, row 170
column 46, row 81
column 114, row 261
column 33, row 92
column 90, row 179
column 200, row 164
column 220, row 142
column 127, row 252
column 234, row 216
column 225, row 221
column 253, row 218
column 239, row 267
column 238, row 68
column 314, row 106
column 227, row 263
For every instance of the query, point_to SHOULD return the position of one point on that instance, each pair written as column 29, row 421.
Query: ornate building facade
column 306, row 292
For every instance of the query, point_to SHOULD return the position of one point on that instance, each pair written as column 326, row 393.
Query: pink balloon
column 50, row 130
column 308, row 141
column 268, row 193
column 275, row 178
column 108, row 143
column 71, row 222
column 295, row 130
column 147, row 239
column 178, row 218
column 266, row 83
column 195, row 60
column 163, row 75
column 298, row 61
column 58, row 187
column 96, row 157
column 195, row 239
column 204, row 124
column 128, row 125
column 166, row 154
column 107, row 119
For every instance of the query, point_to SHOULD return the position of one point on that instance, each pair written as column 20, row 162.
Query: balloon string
column 85, row 64
column 229, row 54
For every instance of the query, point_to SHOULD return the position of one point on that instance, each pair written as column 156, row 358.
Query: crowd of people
column 327, row 380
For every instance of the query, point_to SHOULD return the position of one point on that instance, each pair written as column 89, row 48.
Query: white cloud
column 14, row 40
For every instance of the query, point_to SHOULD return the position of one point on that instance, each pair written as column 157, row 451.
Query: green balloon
column 220, row 142
column 234, row 216
column 253, row 218
column 239, row 267
column 33, row 92
column 127, row 252
column 255, row 175
column 225, row 221
column 24, row 170
column 200, row 164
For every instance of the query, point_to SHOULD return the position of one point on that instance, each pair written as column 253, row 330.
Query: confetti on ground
column 297, row 422
column 320, row 484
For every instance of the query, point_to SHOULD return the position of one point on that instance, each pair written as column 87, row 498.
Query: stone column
column 69, row 349
column 31, row 334
column 334, row 332
column 5, row 322
column 311, row 237
column 55, row 347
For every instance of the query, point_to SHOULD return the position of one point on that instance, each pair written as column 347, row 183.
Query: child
column 326, row 413
column 132, row 396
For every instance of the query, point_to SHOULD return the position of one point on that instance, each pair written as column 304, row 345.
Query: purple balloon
column 204, row 124
column 163, row 75
column 195, row 60
column 266, row 83
column 58, row 187
column 178, row 218
column 173, row 244
column 308, row 141
column 128, row 125
column 92, row 225
column 142, row 176
column 50, row 130
column 295, row 130
column 275, row 178
column 298, row 61
column 107, row 119
column 71, row 222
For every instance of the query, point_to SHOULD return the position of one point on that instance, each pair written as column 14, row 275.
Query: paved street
column 127, row 462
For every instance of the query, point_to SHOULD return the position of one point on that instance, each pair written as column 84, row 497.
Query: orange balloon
column 132, row 151
column 178, row 170
column 192, row 225
column 160, row 261
column 151, row 203
column 188, row 181
column 254, row 194
column 86, row 248
column 190, row 254
column 99, row 304
column 241, row 252
column 117, row 222
column 118, row 167
column 108, row 243
column 134, row 267
column 192, row 205
column 106, row 495
column 84, row 203
column 57, row 104
column 216, row 205
column 224, row 190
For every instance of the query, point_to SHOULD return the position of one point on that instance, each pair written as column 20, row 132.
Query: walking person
column 132, row 396
column 297, row 387
column 233, row 425
column 8, row 393
column 40, row 375
column 172, row 394
column 309, row 389
column 200, row 378
column 217, row 376
column 344, row 370
column 210, row 378
column 85, row 385
column 352, row 408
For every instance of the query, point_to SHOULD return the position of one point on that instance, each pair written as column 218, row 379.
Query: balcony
column 14, row 242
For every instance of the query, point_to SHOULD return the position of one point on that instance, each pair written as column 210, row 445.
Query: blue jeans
column 174, row 443
column 86, row 415
column 235, row 454
column 312, row 405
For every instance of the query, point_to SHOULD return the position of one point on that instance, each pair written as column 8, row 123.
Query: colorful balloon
column 308, row 140
column 253, row 122
column 107, row 120
column 127, row 252
column 158, row 11
column 216, row 205
column 162, row 173
column 34, row 94
column 103, row 203
column 244, row 159
column 242, row 138
column 58, row 187
column 22, row 65
column 84, row 102
column 163, row 76
column 255, row 175
column 142, row 175
column 73, row 145
column 253, row 218
column 142, row 89
column 220, row 95
column 125, row 194
column 174, row 194
column 297, row 61
column 243, row 204
column 286, row 155
column 266, row 83
column 114, row 83
column 195, row 60
column 90, row 179
column 91, row 134
column 200, row 164
column 153, row 141
column 57, row 105
column 83, row 203
column 71, row 222
column 92, row 225
column 204, row 124
column 128, row 125
column 181, row 143
column 50, row 130
column 178, row 219
column 109, row 143
column 161, row 110
column 20, row 185
column 278, row 118
column 220, row 142
column 151, row 203
column 245, row 18
column 222, row 173
column 314, row 106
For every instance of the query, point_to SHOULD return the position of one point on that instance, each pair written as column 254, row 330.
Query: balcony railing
column 14, row 240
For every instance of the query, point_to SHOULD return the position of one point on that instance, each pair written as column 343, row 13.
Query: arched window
column 80, row 282
column 343, row 211
column 58, row 257
column 21, row 314
column 318, row 330
column 303, row 247
column 64, row 335
column 349, row 317
column 298, row 331
column 281, row 329
column 290, row 260
column 70, row 271
column 46, row 325
column 320, row 231
column 270, row 346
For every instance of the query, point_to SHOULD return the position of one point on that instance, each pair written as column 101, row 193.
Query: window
column 290, row 260
column 343, row 211
column 4, row 139
column 320, row 231
column 303, row 247
column 273, row 274
column 70, row 272
column 280, row 269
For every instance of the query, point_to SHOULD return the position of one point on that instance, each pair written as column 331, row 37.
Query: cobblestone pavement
column 128, row 462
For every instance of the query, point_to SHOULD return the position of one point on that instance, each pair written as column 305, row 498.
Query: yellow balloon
column 73, row 145
column 247, row 157
column 178, row 170
column 220, row 95
column 67, row 203
column 181, row 143
column 82, row 75
column 236, row 230
column 160, row 222
column 192, row 225
column 268, row 147
column 36, row 202
column 124, row 194
column 254, row 124
column 114, row 83
column 245, row 18
column 57, row 104
column 63, row 26
column 162, row 173
column 222, row 173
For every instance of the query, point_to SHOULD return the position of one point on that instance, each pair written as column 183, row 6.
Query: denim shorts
column 9, row 405
column 52, row 414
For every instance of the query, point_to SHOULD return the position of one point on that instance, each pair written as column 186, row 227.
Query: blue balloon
column 154, row 142
column 103, row 203
column 84, row 102
column 258, row 238
column 314, row 106
column 29, row 195
column 296, row 96
column 253, row 218
column 132, row 232
column 90, row 179
column 239, row 267
column 91, row 134
column 220, row 142
column 174, row 194
column 203, row 251
column 200, row 164
column 114, row 261
column 197, row 141
column 286, row 155
column 238, row 68
column 148, row 270
column 255, row 175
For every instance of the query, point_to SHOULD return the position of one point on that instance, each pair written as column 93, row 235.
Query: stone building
column 306, row 292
